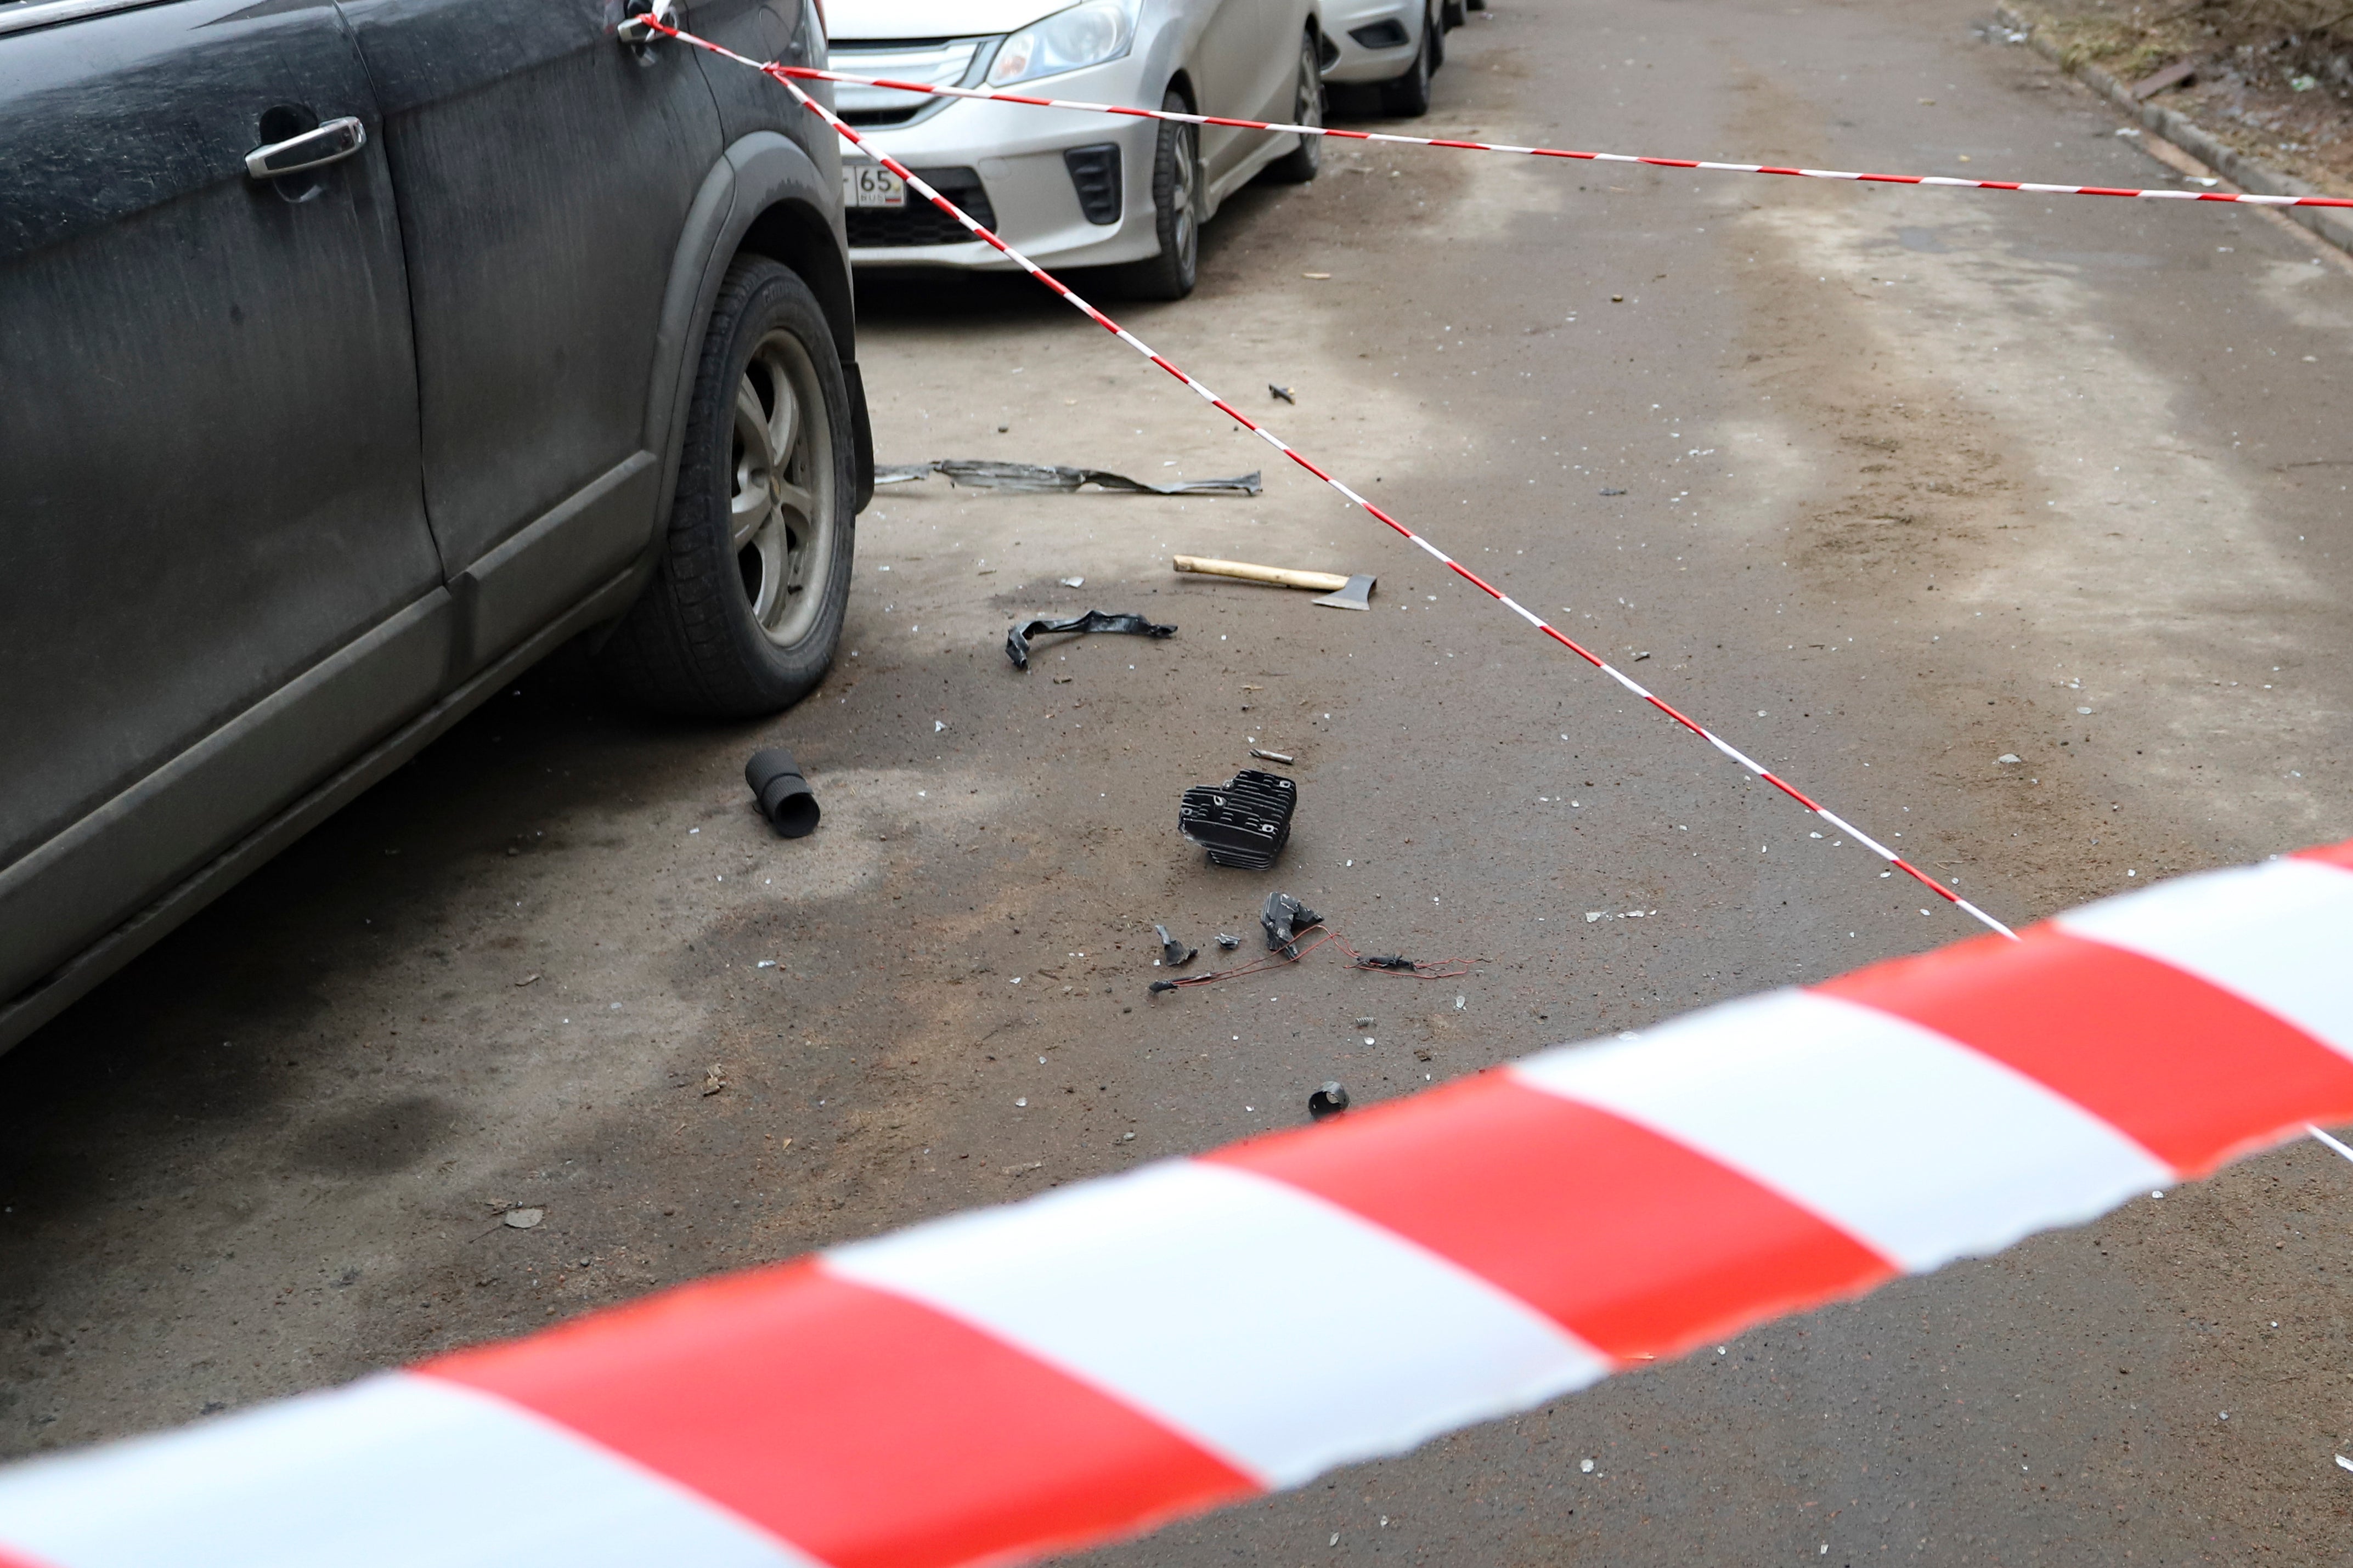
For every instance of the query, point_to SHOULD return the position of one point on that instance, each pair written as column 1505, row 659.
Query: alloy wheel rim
column 1187, row 221
column 780, row 490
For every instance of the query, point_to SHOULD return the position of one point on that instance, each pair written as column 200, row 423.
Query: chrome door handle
column 330, row 143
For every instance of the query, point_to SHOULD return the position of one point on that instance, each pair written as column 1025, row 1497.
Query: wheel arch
column 765, row 194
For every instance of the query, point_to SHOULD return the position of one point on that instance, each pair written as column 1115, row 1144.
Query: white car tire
column 1176, row 200
column 1305, row 162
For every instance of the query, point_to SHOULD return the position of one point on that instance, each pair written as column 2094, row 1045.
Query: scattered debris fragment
column 1046, row 478
column 1023, row 1170
column 527, row 979
column 1286, row 919
column 1640, row 657
column 1350, row 592
column 1266, row 756
column 1287, row 923
column 1173, row 953
column 783, row 793
column 1071, row 581
column 714, row 1078
column 1327, row 1102
column 1228, row 942
column 1017, row 641
column 1613, row 492
column 1243, row 823
column 2007, row 759
column 523, row 1219
column 2181, row 73
column 1283, row 392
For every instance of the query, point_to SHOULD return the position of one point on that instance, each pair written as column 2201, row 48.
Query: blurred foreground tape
column 1108, row 1355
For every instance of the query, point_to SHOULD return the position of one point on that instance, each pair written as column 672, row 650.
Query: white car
column 1394, row 44
column 1069, row 188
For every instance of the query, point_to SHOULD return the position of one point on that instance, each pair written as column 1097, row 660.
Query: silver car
column 1070, row 188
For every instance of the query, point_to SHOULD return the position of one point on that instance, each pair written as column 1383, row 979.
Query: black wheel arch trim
column 766, row 195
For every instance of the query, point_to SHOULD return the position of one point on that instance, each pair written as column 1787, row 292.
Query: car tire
column 1452, row 14
column 1408, row 96
column 1433, row 27
column 1176, row 199
column 1302, row 163
column 746, row 606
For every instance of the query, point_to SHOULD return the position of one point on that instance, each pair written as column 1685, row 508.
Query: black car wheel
column 1408, row 96
column 745, row 606
column 1177, row 210
column 1302, row 163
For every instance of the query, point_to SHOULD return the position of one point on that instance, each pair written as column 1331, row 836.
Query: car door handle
column 330, row 143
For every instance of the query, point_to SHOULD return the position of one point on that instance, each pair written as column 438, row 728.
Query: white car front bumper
column 1016, row 153
column 1343, row 19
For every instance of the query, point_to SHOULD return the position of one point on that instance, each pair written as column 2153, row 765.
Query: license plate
column 871, row 185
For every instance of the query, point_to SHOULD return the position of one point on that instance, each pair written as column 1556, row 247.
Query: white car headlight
column 1085, row 35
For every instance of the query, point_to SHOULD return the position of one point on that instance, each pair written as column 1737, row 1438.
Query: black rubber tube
column 783, row 794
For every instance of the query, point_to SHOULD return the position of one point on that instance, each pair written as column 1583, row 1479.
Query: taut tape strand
column 1705, row 165
column 1004, row 1384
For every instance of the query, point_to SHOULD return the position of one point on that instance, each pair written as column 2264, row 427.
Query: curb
column 2331, row 224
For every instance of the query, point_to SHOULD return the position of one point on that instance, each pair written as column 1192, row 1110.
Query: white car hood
column 932, row 19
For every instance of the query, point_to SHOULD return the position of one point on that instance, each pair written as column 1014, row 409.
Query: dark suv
column 354, row 356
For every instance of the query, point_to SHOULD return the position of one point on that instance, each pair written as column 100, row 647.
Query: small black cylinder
column 783, row 794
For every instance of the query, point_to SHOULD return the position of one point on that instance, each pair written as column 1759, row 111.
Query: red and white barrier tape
column 810, row 73
column 784, row 75
column 1005, row 1384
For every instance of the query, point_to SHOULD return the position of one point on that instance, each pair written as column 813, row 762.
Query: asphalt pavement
column 1889, row 485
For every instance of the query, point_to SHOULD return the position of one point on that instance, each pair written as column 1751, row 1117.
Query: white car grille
column 935, row 62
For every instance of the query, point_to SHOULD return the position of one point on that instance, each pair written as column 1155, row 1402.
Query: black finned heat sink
column 1243, row 824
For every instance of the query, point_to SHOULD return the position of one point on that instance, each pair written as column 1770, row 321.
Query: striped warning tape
column 656, row 25
column 1004, row 1384
column 1707, row 165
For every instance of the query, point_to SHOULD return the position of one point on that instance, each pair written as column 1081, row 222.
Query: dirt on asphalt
column 1887, row 484
column 2273, row 78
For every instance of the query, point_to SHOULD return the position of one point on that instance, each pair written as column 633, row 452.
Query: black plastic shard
column 1327, row 1102
column 783, row 794
column 1286, row 919
column 1017, row 641
column 1244, row 823
column 1174, row 955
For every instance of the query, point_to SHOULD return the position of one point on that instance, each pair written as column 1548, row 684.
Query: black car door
column 216, row 578
column 543, row 172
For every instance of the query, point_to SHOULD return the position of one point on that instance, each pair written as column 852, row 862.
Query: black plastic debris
column 1048, row 479
column 1281, row 391
column 1174, row 955
column 1228, row 942
column 1327, row 1102
column 783, row 794
column 1392, row 960
column 1243, row 823
column 1017, row 641
column 1286, row 919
